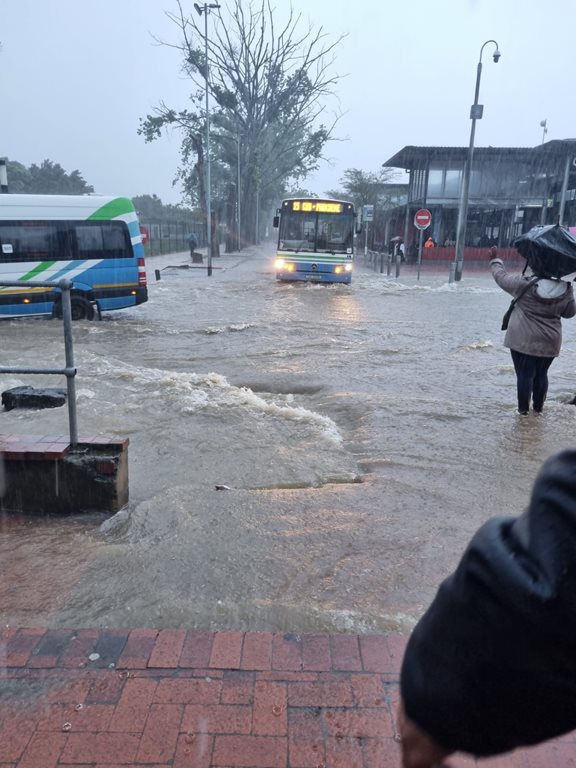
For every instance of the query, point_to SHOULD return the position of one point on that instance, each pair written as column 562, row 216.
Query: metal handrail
column 69, row 371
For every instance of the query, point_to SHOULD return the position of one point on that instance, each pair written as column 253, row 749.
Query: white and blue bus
column 91, row 240
column 315, row 240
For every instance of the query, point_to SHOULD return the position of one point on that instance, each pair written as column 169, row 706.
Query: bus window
column 101, row 240
column 29, row 241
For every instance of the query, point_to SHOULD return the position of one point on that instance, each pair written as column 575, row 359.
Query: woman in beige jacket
column 534, row 334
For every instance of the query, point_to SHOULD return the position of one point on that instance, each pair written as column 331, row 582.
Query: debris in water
column 223, row 488
column 94, row 656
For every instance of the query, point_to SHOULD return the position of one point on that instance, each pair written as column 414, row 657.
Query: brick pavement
column 160, row 698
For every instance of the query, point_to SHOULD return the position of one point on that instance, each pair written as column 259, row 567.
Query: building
column 512, row 189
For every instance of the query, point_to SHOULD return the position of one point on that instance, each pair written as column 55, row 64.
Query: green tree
column 48, row 178
column 268, row 88
column 372, row 188
column 51, row 179
column 18, row 177
column 151, row 207
column 369, row 188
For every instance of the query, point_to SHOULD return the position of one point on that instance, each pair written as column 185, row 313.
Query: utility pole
column 205, row 9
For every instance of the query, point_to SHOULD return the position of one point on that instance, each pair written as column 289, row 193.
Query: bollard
column 157, row 274
column 452, row 276
column 382, row 262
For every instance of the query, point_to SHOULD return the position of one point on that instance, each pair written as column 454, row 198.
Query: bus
column 315, row 240
column 91, row 240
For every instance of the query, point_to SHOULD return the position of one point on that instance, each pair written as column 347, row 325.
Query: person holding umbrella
column 534, row 332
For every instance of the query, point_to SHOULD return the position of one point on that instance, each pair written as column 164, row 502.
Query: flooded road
column 362, row 433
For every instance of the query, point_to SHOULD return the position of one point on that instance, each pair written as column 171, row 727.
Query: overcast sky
column 76, row 76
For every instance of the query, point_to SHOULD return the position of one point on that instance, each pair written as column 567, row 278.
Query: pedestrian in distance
column 534, row 330
column 491, row 667
column 192, row 243
column 430, row 243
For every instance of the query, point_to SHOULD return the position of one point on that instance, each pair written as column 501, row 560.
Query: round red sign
column 423, row 218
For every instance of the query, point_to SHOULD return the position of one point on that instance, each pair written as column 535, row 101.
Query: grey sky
column 76, row 75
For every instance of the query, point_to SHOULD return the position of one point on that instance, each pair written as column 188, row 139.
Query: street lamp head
column 199, row 10
column 496, row 56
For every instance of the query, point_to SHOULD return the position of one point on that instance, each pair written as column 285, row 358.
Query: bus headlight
column 280, row 263
column 337, row 270
column 348, row 267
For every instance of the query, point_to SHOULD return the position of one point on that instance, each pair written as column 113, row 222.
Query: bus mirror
column 275, row 222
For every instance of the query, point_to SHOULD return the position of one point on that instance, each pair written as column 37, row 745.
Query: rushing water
column 361, row 434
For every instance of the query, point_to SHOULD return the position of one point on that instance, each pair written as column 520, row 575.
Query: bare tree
column 269, row 88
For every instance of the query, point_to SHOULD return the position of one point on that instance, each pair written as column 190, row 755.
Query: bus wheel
column 81, row 309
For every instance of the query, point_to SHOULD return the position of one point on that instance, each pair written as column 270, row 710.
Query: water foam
column 194, row 392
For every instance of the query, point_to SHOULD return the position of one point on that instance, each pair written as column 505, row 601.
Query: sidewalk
column 159, row 698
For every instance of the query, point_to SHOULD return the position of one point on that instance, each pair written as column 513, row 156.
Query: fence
column 171, row 236
column 441, row 257
column 69, row 371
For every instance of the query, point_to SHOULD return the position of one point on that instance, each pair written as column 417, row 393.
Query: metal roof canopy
column 415, row 157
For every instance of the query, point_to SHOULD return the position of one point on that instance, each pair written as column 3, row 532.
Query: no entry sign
column 423, row 218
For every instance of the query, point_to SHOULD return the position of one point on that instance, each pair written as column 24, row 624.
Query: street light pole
column 238, row 196
column 543, row 125
column 205, row 9
column 475, row 114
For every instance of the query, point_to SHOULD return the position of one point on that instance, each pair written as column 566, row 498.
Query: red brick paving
column 186, row 699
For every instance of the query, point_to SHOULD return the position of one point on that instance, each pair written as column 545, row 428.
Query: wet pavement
column 206, row 693
column 147, row 697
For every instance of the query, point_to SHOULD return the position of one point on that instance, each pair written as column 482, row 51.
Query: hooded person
column 534, row 333
column 491, row 665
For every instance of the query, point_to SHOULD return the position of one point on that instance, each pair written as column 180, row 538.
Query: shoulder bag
column 506, row 317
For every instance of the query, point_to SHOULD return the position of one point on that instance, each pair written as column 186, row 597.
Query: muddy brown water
column 360, row 434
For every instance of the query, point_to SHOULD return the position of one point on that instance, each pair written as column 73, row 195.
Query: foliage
column 296, row 192
column 267, row 88
column 373, row 188
column 369, row 188
column 18, row 177
column 151, row 207
column 46, row 179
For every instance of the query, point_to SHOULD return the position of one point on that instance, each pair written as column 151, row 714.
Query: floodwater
column 359, row 435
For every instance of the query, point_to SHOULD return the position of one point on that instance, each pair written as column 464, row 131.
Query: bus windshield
column 317, row 232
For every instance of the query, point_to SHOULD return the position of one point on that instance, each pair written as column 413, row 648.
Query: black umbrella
column 549, row 250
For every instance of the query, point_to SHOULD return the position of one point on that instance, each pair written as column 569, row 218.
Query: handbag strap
column 533, row 281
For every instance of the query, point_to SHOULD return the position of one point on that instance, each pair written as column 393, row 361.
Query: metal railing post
column 66, row 287
column 69, row 371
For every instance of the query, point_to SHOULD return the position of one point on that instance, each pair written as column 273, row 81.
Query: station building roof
column 414, row 157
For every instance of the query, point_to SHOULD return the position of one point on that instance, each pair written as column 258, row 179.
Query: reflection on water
column 286, row 397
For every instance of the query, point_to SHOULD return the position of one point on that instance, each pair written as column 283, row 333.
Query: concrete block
column 31, row 397
column 93, row 477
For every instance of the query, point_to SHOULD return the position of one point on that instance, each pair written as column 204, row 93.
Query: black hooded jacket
column 491, row 666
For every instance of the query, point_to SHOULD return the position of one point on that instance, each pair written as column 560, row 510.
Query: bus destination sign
column 313, row 206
